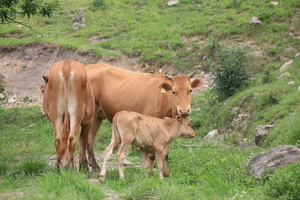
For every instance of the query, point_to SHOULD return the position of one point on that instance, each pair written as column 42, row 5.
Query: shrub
column 230, row 72
column 285, row 183
column 98, row 5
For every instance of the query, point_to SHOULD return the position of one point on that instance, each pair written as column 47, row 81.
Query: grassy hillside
column 180, row 36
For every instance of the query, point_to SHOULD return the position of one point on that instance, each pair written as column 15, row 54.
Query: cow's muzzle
column 184, row 112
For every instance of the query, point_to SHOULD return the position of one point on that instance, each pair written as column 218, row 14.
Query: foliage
column 98, row 5
column 10, row 10
column 230, row 72
column 284, row 184
column 65, row 185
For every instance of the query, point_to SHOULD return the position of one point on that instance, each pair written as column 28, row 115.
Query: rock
column 79, row 21
column 286, row 65
column 171, row 3
column 254, row 20
column 284, row 75
column 270, row 160
column 260, row 133
column 2, row 96
column 214, row 133
column 291, row 82
column 274, row 3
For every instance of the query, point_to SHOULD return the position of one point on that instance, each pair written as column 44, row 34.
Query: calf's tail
column 116, row 133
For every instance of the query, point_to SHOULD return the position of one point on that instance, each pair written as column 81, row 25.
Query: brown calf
column 68, row 102
column 150, row 134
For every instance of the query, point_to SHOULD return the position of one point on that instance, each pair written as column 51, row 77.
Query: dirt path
column 24, row 67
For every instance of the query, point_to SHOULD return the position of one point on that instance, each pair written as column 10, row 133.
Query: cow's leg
column 165, row 161
column 159, row 160
column 83, row 142
column 107, row 154
column 151, row 164
column 145, row 159
column 95, row 127
column 73, row 141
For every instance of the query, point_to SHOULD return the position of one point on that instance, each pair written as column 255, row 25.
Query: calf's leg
column 159, row 160
column 121, row 155
column 107, row 154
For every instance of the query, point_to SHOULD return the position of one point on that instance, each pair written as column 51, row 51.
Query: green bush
column 230, row 72
column 285, row 183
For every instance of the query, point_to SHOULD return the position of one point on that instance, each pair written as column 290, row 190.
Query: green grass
column 158, row 33
column 177, row 36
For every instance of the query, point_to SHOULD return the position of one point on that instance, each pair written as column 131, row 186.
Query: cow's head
column 181, row 87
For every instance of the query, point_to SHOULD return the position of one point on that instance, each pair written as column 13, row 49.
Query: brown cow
column 68, row 102
column 155, row 95
column 152, row 135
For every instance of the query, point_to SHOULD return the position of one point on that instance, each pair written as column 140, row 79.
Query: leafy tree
column 14, row 11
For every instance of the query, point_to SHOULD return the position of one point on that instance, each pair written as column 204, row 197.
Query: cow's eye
column 191, row 91
column 173, row 92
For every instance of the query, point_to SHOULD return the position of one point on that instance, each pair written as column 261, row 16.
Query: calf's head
column 181, row 87
column 185, row 127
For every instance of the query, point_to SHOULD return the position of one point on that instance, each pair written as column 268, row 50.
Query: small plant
column 26, row 99
column 98, row 5
column 284, row 184
column 31, row 167
column 230, row 72
column 1, row 83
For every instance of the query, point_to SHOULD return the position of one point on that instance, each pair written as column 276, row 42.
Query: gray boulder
column 260, row 133
column 79, row 21
column 270, row 160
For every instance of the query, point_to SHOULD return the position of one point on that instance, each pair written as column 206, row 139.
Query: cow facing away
column 68, row 102
column 150, row 134
column 155, row 95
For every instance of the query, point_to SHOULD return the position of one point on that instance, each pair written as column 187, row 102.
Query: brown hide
column 68, row 102
column 152, row 135
column 155, row 95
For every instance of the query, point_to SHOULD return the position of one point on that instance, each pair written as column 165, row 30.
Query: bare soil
column 23, row 68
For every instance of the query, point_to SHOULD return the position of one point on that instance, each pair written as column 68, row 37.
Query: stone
column 284, row 75
column 214, row 133
column 254, row 20
column 79, row 21
column 286, row 65
column 272, row 159
column 171, row 3
column 260, row 133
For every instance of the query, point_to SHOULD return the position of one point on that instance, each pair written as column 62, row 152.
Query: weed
column 284, row 183
column 26, row 99
column 1, row 83
column 230, row 72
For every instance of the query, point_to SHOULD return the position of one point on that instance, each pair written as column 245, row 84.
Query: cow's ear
column 45, row 78
column 179, row 118
column 165, row 86
column 196, row 83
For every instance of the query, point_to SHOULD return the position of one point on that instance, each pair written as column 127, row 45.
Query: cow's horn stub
column 192, row 74
column 168, row 76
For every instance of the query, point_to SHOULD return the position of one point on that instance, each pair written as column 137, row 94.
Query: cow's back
column 117, row 89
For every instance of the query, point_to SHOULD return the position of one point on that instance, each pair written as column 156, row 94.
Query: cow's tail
column 116, row 133
column 66, row 120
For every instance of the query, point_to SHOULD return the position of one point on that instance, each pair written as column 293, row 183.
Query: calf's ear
column 196, row 83
column 179, row 118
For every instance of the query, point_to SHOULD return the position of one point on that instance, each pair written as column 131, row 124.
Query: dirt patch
column 23, row 68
